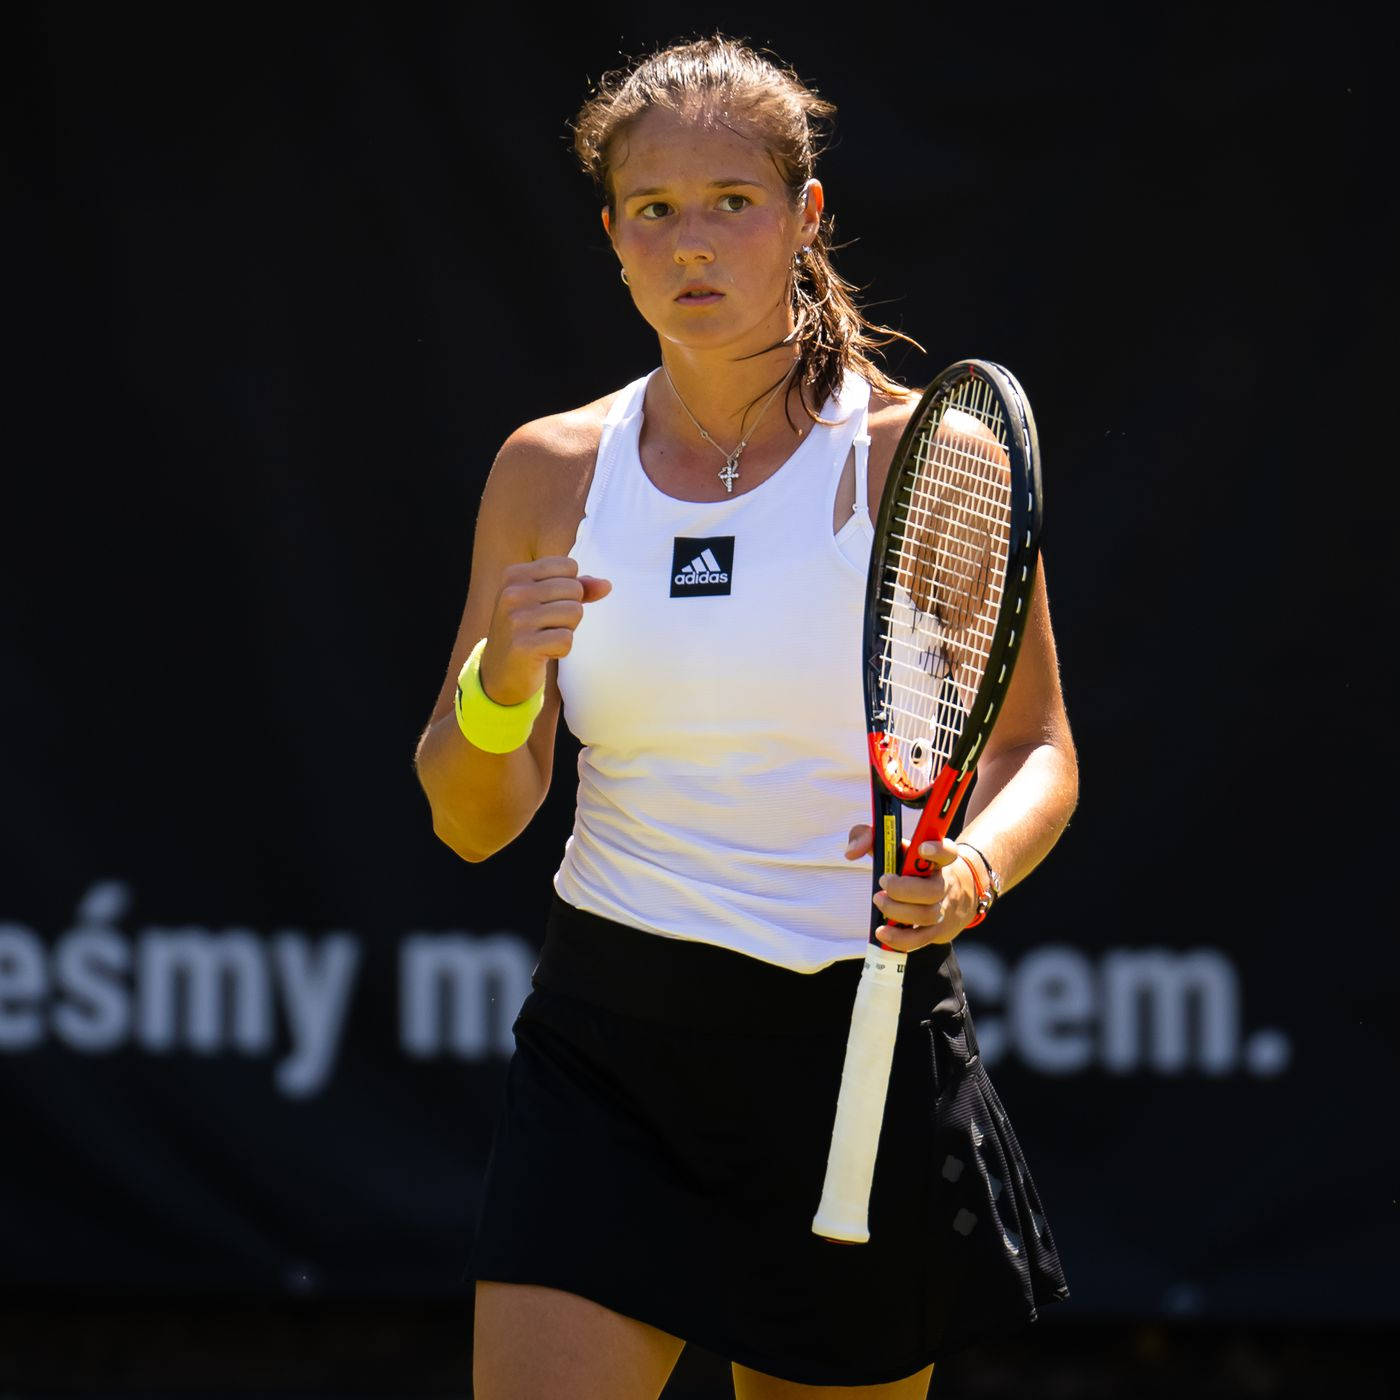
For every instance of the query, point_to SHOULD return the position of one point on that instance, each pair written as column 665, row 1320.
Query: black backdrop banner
column 281, row 283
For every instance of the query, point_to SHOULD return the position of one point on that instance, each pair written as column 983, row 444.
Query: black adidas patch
column 702, row 568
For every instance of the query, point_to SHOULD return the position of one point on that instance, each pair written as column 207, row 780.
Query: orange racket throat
column 939, row 803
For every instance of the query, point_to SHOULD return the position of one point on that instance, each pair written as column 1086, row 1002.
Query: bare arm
column 1028, row 778
column 527, row 606
column 1026, row 791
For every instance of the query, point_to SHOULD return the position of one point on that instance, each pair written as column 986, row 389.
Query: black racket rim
column 1027, row 516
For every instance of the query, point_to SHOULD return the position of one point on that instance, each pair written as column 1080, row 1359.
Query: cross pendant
column 730, row 474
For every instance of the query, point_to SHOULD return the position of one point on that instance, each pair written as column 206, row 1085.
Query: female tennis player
column 680, row 566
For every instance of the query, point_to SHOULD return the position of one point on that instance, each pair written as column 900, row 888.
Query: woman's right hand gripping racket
column 946, row 604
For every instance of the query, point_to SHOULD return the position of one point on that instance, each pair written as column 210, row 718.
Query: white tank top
column 716, row 692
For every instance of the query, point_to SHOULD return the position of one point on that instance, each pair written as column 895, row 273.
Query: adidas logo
column 702, row 568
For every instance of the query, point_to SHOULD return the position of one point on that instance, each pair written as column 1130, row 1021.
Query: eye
column 656, row 209
column 733, row 203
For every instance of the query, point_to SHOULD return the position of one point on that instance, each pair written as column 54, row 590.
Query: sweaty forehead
column 662, row 144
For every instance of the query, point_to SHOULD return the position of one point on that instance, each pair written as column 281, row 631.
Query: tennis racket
column 946, row 605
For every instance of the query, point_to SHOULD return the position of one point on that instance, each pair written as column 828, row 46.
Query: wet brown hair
column 722, row 77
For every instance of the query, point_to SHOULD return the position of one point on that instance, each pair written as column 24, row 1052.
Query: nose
column 692, row 246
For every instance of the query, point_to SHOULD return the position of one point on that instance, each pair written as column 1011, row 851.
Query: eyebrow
column 725, row 184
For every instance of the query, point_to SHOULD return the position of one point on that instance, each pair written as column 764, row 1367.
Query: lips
column 698, row 292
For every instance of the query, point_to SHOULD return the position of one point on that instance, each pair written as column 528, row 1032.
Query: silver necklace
column 729, row 473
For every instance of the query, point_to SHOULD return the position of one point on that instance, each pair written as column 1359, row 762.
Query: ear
column 607, row 222
column 813, row 202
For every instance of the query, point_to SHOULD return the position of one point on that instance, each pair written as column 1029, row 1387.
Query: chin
column 713, row 329
column 690, row 329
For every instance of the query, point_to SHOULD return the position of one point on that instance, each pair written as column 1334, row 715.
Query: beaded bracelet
column 495, row 728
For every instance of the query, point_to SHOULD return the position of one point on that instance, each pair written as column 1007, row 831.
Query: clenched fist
column 537, row 609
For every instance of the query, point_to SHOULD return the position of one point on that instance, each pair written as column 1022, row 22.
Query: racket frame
column 939, row 801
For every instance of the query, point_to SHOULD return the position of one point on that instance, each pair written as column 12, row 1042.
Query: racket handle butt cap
column 836, row 1231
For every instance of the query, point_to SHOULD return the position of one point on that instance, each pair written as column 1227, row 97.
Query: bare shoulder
column 542, row 473
column 889, row 416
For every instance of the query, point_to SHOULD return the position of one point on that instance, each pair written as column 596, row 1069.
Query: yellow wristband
column 495, row 728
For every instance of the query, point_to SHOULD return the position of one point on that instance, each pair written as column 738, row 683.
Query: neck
column 726, row 396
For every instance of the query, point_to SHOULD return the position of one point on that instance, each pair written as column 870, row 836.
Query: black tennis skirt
column 663, row 1142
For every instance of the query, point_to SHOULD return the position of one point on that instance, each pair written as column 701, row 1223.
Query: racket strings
column 944, row 575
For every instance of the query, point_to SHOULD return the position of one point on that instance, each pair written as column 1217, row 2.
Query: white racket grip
column 860, row 1105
